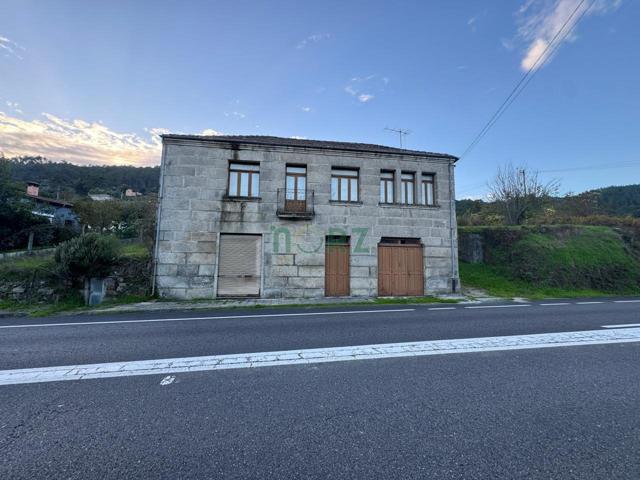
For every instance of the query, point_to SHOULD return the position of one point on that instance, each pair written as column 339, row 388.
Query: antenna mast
column 401, row 133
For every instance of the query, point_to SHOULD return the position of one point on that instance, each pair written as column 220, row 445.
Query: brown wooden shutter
column 240, row 265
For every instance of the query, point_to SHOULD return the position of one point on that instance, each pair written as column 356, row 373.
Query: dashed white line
column 554, row 304
column 626, row 301
column 227, row 317
column 172, row 366
column 587, row 303
column 501, row 306
column 623, row 325
column 442, row 308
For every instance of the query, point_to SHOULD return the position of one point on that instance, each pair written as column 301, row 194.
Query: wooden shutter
column 400, row 270
column 240, row 265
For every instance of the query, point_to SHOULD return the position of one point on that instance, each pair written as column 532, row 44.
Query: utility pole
column 401, row 132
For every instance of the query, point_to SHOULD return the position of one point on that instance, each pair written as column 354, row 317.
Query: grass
column 497, row 282
column 135, row 250
column 24, row 267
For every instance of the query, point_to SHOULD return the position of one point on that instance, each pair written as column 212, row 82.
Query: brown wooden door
column 400, row 270
column 336, row 265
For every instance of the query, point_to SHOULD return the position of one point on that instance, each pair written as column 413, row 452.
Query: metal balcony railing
column 295, row 203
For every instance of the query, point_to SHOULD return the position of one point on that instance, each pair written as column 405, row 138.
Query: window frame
column 404, row 188
column 335, row 174
column 296, row 176
column 423, row 189
column 385, row 198
column 240, row 171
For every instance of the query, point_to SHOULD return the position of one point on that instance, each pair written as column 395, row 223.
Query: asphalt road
column 320, row 327
column 565, row 412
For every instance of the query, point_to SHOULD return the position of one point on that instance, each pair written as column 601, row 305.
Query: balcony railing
column 295, row 204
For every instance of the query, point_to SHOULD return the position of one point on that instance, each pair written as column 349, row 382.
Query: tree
column 99, row 216
column 519, row 192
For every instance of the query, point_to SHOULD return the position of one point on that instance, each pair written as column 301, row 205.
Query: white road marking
column 587, row 303
column 167, row 380
column 172, row 366
column 442, row 308
column 623, row 325
column 554, row 304
column 227, row 317
column 502, row 306
column 626, row 301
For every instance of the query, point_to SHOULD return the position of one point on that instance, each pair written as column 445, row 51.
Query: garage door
column 400, row 267
column 240, row 265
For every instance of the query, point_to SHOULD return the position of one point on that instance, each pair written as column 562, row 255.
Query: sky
column 95, row 82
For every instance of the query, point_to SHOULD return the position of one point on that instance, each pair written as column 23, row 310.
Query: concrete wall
column 193, row 213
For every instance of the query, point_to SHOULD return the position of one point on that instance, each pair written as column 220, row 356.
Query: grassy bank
column 557, row 261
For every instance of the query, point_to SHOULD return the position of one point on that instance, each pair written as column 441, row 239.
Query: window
column 244, row 180
column 344, row 185
column 296, row 182
column 428, row 190
column 407, row 188
column 387, row 179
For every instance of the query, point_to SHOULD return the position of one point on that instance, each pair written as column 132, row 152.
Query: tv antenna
column 401, row 133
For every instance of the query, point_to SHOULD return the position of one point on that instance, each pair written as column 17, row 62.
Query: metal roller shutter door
column 240, row 265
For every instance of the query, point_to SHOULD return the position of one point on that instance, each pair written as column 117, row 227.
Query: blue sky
column 91, row 82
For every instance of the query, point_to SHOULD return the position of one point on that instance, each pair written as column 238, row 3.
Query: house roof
column 50, row 201
column 297, row 142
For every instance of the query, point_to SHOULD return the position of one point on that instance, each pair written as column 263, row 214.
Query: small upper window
column 344, row 185
column 428, row 190
column 407, row 188
column 387, row 179
column 244, row 180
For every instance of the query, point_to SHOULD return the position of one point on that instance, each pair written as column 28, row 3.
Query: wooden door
column 400, row 270
column 336, row 283
column 240, row 265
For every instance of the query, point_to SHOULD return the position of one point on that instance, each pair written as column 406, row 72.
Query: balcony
column 295, row 205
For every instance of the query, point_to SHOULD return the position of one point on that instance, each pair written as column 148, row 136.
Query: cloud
column 318, row 37
column 357, row 85
column 10, row 49
column 234, row 114
column 539, row 21
column 306, row 109
column 80, row 142
column 15, row 106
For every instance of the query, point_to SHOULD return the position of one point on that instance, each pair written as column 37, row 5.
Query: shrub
column 90, row 255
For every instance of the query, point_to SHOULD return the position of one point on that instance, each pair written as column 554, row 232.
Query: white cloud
column 540, row 20
column 357, row 85
column 234, row 114
column 318, row 37
column 210, row 132
column 15, row 106
column 298, row 137
column 306, row 109
column 10, row 48
column 79, row 141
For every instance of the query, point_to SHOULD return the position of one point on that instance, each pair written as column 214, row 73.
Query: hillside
column 71, row 180
column 616, row 201
column 557, row 260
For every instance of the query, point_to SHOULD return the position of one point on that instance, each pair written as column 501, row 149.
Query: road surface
column 538, row 390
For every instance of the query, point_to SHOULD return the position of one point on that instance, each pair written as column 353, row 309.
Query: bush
column 90, row 255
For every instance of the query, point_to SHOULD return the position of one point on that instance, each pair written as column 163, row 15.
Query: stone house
column 279, row 217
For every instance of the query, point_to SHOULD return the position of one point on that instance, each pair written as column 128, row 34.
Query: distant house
column 57, row 211
column 100, row 197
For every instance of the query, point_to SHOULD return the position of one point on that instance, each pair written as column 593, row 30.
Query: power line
column 526, row 78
